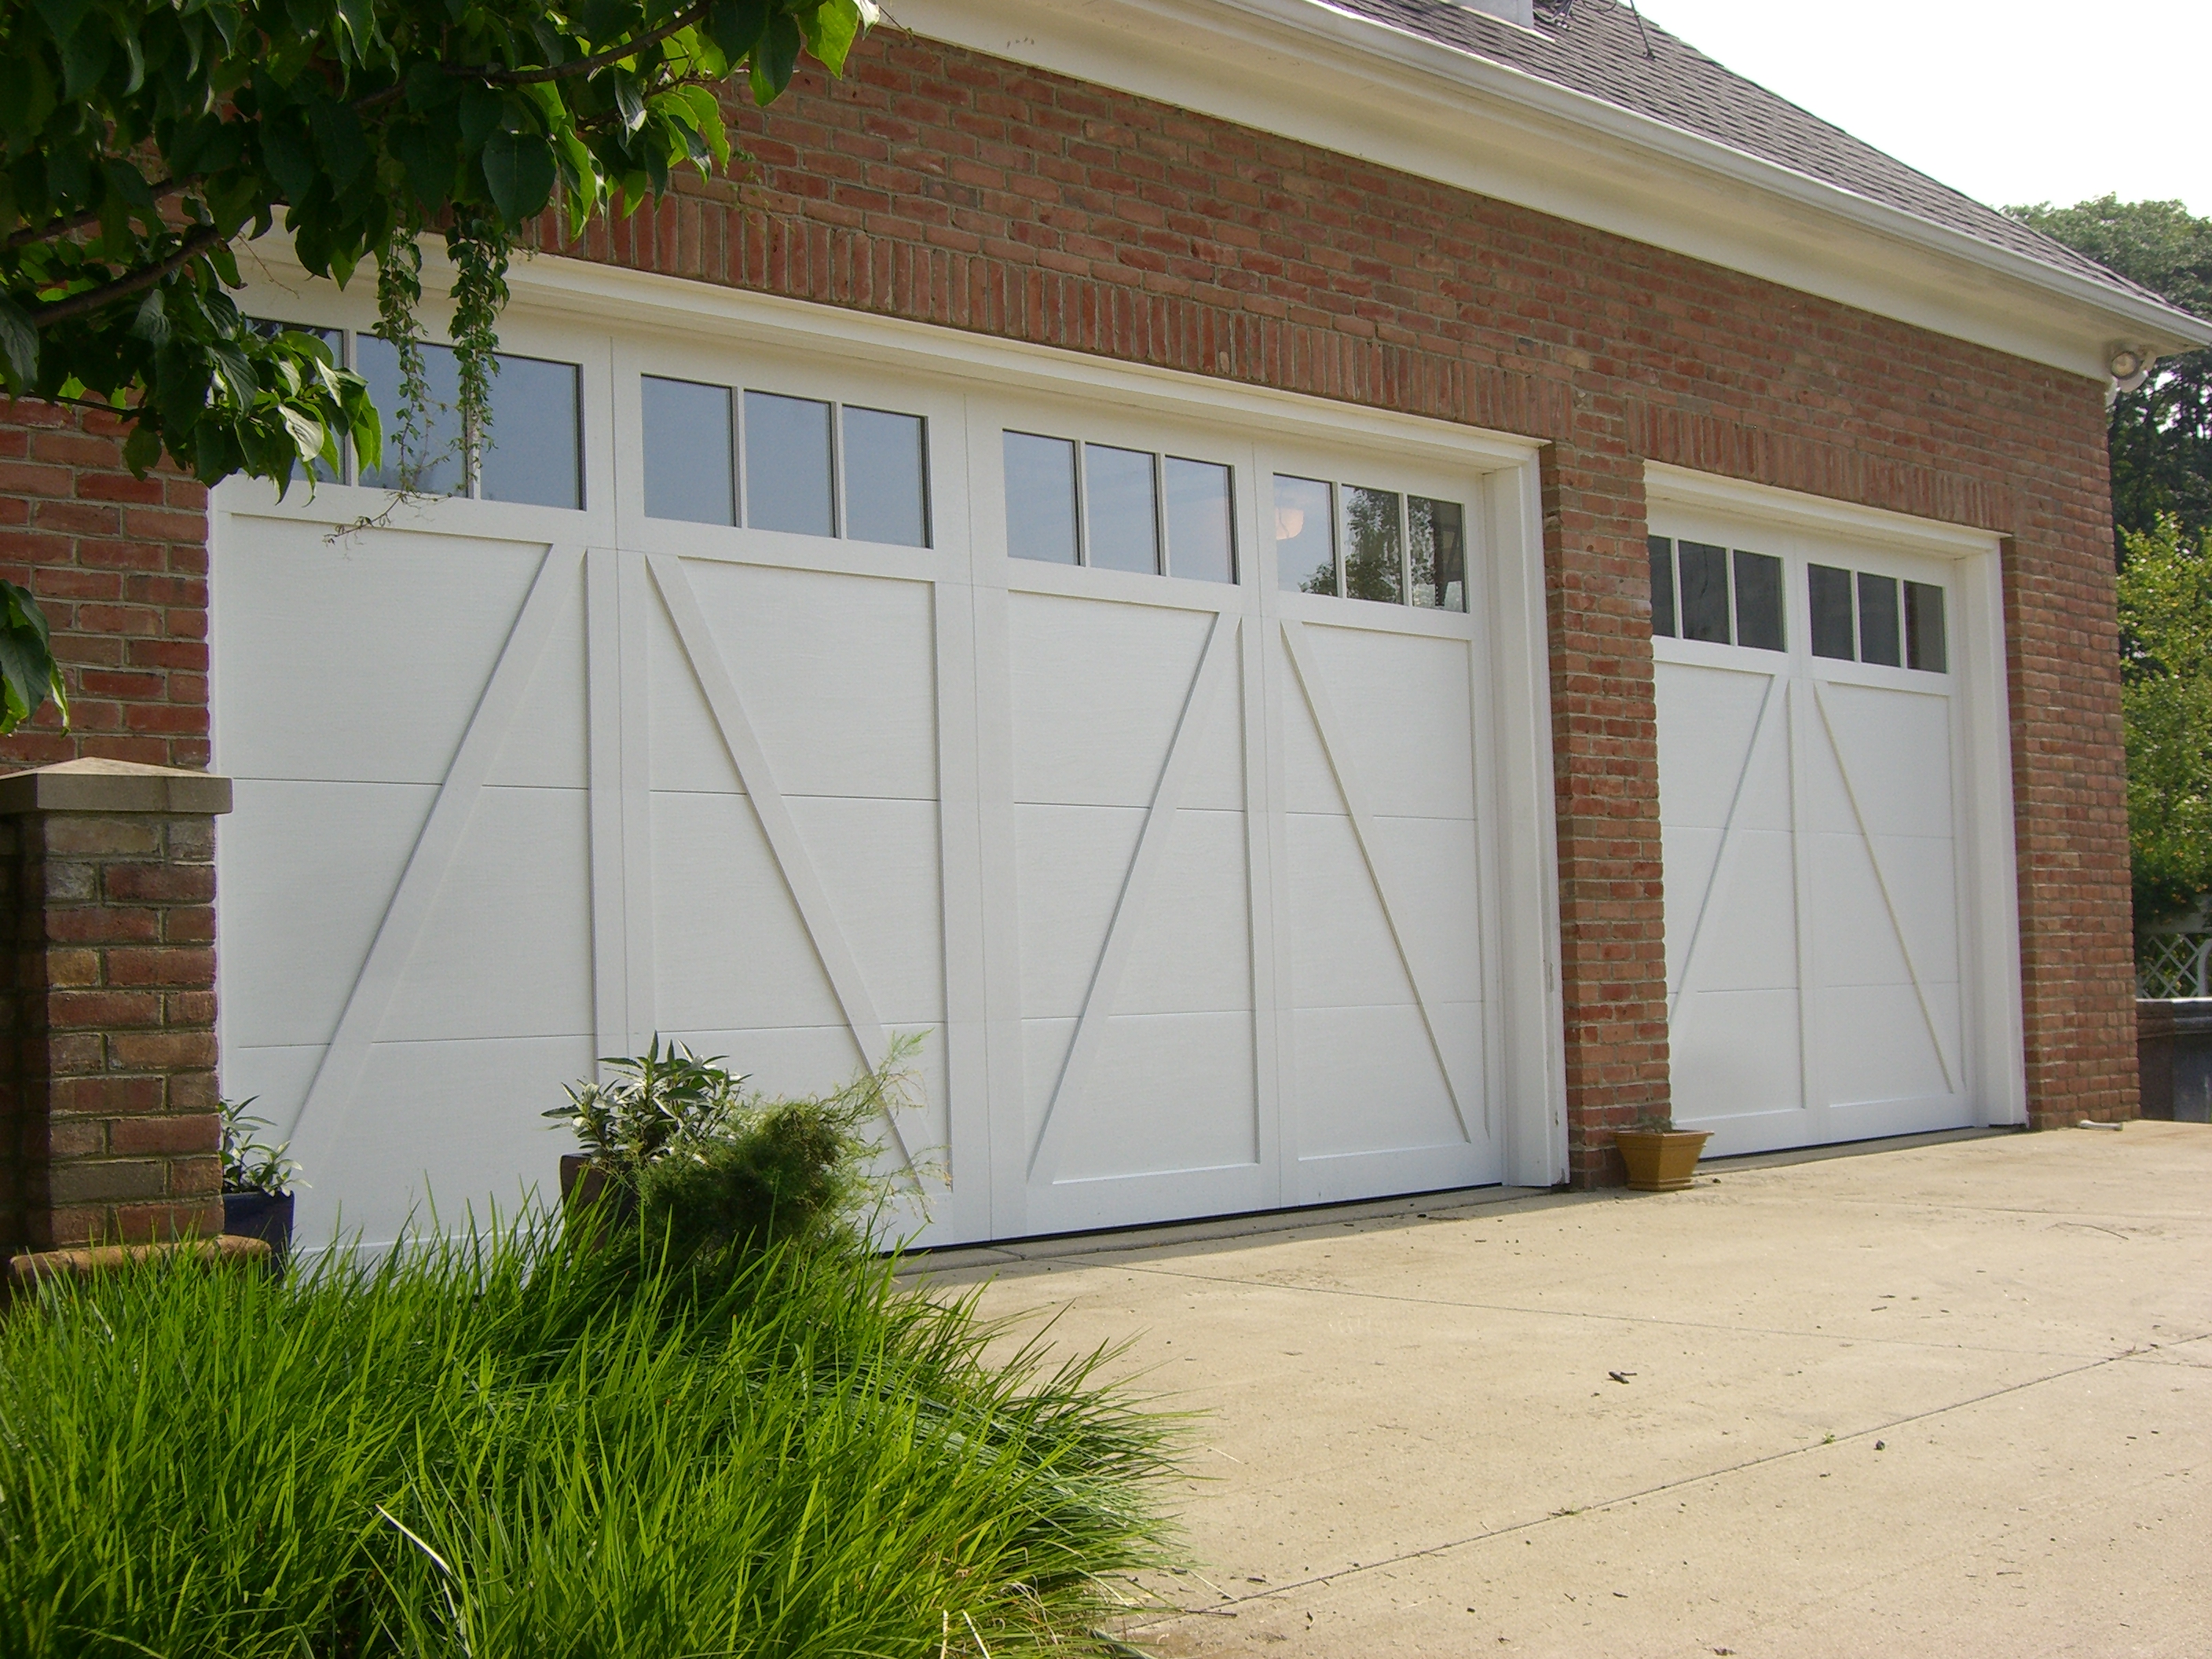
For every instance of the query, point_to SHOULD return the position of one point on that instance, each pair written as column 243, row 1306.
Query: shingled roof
column 1597, row 48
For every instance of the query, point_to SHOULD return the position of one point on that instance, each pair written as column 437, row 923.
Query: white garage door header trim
column 1674, row 487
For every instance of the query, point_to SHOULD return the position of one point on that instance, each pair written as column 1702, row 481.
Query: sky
column 2009, row 100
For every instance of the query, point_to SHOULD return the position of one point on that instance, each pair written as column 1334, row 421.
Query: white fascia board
column 1304, row 71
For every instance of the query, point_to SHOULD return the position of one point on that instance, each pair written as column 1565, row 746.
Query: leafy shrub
column 658, row 1103
column 777, row 1170
column 249, row 1165
column 508, row 1446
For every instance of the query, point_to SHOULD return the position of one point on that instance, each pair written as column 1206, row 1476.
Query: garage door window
column 1396, row 549
column 533, row 455
column 1112, row 508
column 794, row 461
column 1864, row 616
column 1702, row 592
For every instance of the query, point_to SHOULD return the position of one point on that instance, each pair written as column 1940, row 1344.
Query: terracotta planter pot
column 1660, row 1160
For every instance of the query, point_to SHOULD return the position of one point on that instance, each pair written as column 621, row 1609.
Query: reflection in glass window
column 1373, row 545
column 690, row 465
column 534, row 452
column 1435, row 551
column 1201, row 523
column 1122, row 502
column 1041, row 498
column 1703, row 592
column 1878, row 632
column 431, row 465
column 1757, row 601
column 1305, row 536
column 886, row 478
column 787, row 465
column 1662, row 585
column 1924, row 628
column 1829, row 592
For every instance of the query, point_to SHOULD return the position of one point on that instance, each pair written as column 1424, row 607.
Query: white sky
column 2008, row 101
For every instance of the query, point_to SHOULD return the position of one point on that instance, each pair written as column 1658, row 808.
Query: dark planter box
column 2173, row 1049
column 264, row 1215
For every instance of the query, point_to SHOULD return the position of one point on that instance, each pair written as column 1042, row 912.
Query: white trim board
column 1665, row 486
column 1434, row 110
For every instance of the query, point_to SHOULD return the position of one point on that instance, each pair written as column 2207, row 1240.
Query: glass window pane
column 1041, row 498
column 1435, row 546
column 431, row 464
column 333, row 340
column 1662, row 586
column 787, row 465
column 1305, row 537
column 690, row 463
column 886, row 477
column 1923, row 627
column 1201, row 528
column 1878, row 640
column 1828, row 590
column 1372, row 546
column 534, row 450
column 1705, row 593
column 1124, row 509
column 1757, row 601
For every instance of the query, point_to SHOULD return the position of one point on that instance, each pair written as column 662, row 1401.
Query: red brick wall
column 951, row 188
column 119, row 566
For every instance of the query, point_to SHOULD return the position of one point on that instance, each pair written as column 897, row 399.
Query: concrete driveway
column 1950, row 1398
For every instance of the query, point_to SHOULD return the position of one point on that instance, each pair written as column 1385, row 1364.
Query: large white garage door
column 1835, row 853
column 778, row 704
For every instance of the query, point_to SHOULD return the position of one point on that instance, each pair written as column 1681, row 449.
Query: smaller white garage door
column 1837, row 963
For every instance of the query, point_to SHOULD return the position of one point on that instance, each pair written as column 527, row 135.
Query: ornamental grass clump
column 523, row 1445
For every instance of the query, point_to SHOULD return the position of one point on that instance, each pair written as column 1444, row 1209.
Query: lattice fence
column 2175, row 965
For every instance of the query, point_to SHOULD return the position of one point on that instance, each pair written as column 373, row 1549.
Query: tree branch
column 46, row 232
column 598, row 60
column 94, row 298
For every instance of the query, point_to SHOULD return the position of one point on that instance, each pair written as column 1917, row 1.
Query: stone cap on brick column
column 112, row 786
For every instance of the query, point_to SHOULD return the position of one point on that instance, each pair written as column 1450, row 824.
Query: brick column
column 108, row 1127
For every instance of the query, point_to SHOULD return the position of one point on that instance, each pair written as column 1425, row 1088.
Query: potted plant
column 1661, row 1158
column 256, row 1182
column 656, row 1103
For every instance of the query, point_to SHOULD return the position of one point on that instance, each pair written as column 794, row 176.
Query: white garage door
column 1828, row 805
column 777, row 704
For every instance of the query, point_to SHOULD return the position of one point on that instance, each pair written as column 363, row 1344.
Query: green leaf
column 518, row 167
column 19, row 347
column 480, row 112
column 832, row 26
column 707, row 121
column 774, row 58
column 151, row 325
column 736, row 26
column 338, row 141
column 142, row 450
column 627, row 98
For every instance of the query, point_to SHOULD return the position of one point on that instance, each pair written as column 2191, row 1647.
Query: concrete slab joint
column 109, row 1129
